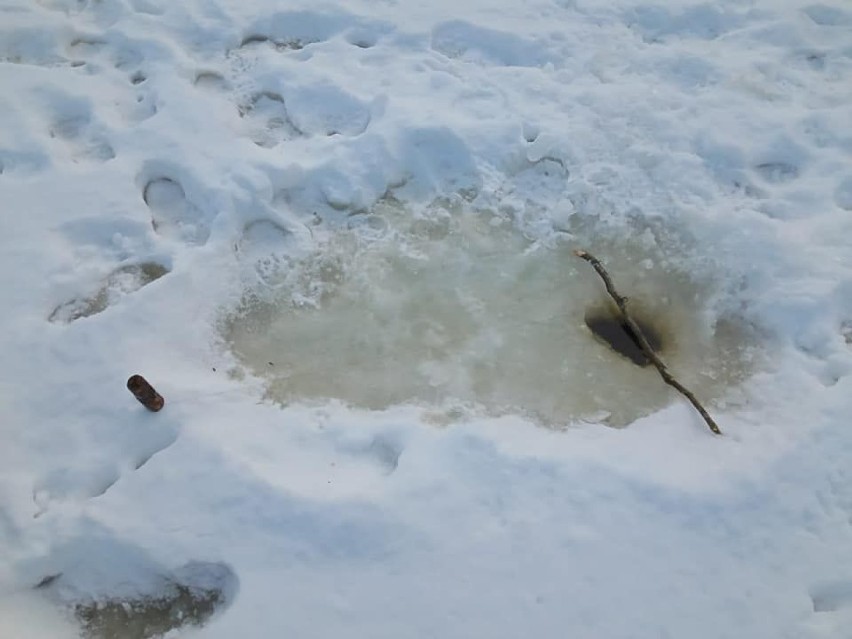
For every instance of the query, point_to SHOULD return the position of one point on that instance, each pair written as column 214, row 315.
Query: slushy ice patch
column 460, row 309
column 189, row 597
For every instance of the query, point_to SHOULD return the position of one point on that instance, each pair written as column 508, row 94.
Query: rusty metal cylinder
column 145, row 393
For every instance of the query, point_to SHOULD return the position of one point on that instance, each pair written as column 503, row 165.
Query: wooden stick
column 621, row 303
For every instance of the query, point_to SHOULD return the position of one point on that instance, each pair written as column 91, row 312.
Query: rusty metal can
column 145, row 393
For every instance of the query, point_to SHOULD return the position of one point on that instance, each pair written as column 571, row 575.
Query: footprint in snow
column 843, row 194
column 115, row 590
column 64, row 6
column 384, row 451
column 319, row 110
column 82, row 137
column 267, row 121
column 176, row 602
column 297, row 30
column 777, row 172
column 781, row 162
column 324, row 109
column 272, row 116
column 30, row 46
column 364, row 37
column 121, row 282
column 149, row 7
column 73, row 484
column 826, row 16
column 92, row 54
column 846, row 331
column 282, row 44
column 655, row 23
column 267, row 249
column 172, row 214
column 293, row 34
column 30, row 160
column 832, row 596
column 123, row 447
column 211, row 81
column 294, row 30
column 489, row 47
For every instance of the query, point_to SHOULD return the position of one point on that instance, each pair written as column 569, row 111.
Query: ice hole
column 612, row 330
column 457, row 310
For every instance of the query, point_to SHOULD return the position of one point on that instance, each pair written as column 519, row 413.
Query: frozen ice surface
column 458, row 308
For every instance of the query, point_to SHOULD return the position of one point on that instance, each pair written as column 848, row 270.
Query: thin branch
column 621, row 303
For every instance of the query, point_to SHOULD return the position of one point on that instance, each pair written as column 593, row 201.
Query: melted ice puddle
column 458, row 310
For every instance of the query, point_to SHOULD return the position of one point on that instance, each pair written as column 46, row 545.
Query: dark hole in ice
column 610, row 329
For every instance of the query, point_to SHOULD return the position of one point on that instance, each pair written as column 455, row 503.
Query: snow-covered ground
column 337, row 237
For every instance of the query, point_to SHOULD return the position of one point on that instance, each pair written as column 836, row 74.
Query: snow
column 193, row 190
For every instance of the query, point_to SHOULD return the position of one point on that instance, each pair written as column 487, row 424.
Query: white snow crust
column 172, row 171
